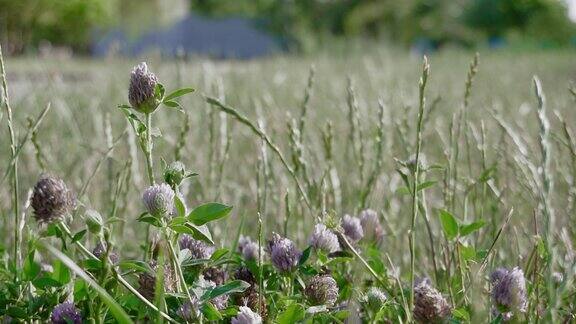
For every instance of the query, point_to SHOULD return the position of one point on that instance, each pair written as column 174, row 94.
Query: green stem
column 15, row 199
column 412, row 233
column 148, row 149
column 177, row 267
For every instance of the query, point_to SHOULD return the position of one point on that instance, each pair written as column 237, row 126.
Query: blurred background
column 252, row 28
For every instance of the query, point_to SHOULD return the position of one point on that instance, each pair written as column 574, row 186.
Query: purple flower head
column 371, row 225
column 198, row 249
column 141, row 89
column 429, row 304
column 66, row 313
column 322, row 290
column 159, row 200
column 248, row 248
column 352, row 228
column 246, row 316
column 283, row 253
column 509, row 290
column 51, row 199
column 375, row 298
column 323, row 239
column 100, row 251
column 190, row 312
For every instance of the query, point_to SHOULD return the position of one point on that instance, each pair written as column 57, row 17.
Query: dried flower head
column 429, row 305
column 323, row 239
column 375, row 298
column 159, row 200
column 371, row 225
column 252, row 299
column 190, row 312
column 509, row 290
column 66, row 313
column 352, row 228
column 248, row 248
column 142, row 88
column 283, row 253
column 322, row 290
column 246, row 316
column 51, row 199
column 244, row 274
column 198, row 249
column 100, row 251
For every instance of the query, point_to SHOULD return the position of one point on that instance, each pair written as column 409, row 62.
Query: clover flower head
column 198, row 249
column 429, row 304
column 509, row 290
column 65, row 313
column 283, row 253
column 322, row 290
column 246, row 316
column 51, row 199
column 352, row 228
column 142, row 88
column 159, row 200
column 248, row 248
column 323, row 239
column 371, row 225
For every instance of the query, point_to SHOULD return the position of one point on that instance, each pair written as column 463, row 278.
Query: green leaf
column 78, row 236
column 292, row 314
column 61, row 273
column 31, row 269
column 235, row 286
column 202, row 233
column 136, row 265
column 305, row 256
column 180, row 207
column 211, row 313
column 178, row 93
column 424, row 185
column 159, row 91
column 449, row 224
column 471, row 228
column 149, row 219
column 17, row 312
column 218, row 254
column 116, row 310
column 208, row 212
column 45, row 282
column 461, row 313
column 173, row 104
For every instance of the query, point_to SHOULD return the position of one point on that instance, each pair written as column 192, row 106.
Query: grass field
column 495, row 174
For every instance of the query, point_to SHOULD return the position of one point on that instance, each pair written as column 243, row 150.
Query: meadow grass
column 467, row 160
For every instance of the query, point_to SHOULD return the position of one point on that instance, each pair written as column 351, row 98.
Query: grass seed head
column 51, row 199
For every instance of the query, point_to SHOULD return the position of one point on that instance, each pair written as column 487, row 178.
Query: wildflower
column 142, row 88
column 283, row 253
column 429, row 305
column 371, row 225
column 65, row 313
column 323, row 239
column 509, row 290
column 159, row 200
column 248, row 248
column 93, row 221
column 198, row 249
column 352, row 228
column 51, row 199
column 147, row 281
column 100, row 251
column 219, row 302
column 216, row 275
column 244, row 274
column 246, row 316
column 375, row 298
column 190, row 312
column 322, row 290
column 175, row 173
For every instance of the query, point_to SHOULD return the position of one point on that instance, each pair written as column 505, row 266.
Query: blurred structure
column 215, row 37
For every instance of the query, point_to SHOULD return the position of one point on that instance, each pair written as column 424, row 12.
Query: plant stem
column 423, row 80
column 148, row 149
column 177, row 267
column 15, row 203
